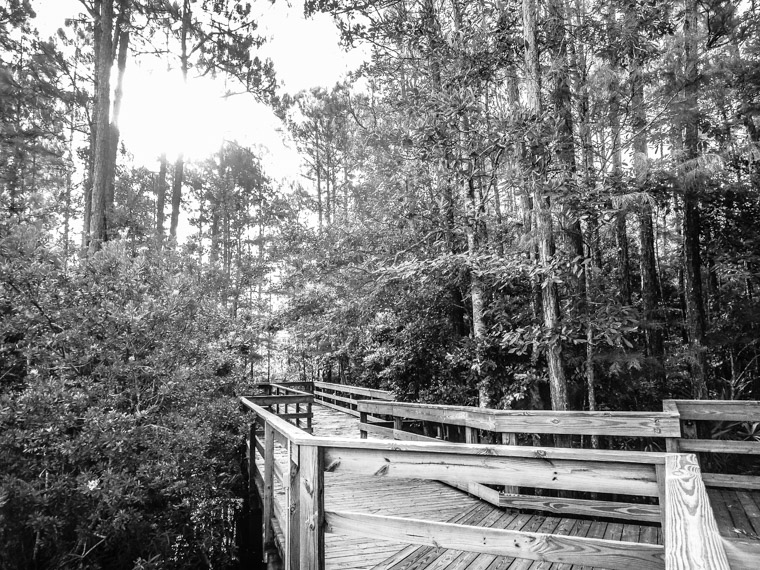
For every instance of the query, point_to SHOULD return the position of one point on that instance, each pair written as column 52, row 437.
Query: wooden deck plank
column 736, row 508
column 749, row 502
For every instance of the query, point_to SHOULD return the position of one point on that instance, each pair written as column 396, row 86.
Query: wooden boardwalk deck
column 436, row 501
column 374, row 515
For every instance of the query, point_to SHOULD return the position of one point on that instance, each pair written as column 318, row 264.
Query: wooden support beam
column 583, row 507
column 292, row 485
column 731, row 481
column 312, row 539
column 277, row 400
column 510, row 439
column 356, row 390
column 621, row 424
column 269, row 463
column 716, row 410
column 538, row 471
column 610, row 554
column 720, row 446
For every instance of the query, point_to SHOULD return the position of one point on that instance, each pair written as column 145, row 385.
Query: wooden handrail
column 344, row 397
column 674, row 478
column 692, row 411
column 277, row 395
column 690, row 532
column 624, row 424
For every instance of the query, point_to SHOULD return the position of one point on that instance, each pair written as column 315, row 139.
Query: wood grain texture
column 719, row 446
column 312, row 539
column 716, row 410
column 731, row 481
column 609, row 554
column 584, row 507
column 283, row 400
column 356, row 390
column 268, row 513
column 545, row 453
column 626, row 424
column 578, row 475
column 292, row 516
column 691, row 535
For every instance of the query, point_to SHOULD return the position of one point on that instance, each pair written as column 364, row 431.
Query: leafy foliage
column 120, row 436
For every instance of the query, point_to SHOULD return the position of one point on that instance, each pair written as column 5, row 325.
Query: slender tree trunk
column 653, row 337
column 179, row 175
column 542, row 207
column 161, row 201
column 122, row 37
column 621, row 225
column 179, row 165
column 101, row 120
column 562, row 104
column 318, row 172
column 695, row 312
column 593, row 256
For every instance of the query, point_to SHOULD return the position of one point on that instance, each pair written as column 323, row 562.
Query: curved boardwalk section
column 433, row 501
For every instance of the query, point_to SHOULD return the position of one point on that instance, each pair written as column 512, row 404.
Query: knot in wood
column 540, row 453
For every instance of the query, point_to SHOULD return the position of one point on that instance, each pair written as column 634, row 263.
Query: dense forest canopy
column 510, row 204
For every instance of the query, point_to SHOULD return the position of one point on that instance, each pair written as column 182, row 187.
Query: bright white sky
column 157, row 117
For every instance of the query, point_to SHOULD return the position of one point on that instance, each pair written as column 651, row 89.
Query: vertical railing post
column 672, row 444
column 362, row 422
column 254, row 528
column 268, row 485
column 510, row 439
column 292, row 515
column 312, row 540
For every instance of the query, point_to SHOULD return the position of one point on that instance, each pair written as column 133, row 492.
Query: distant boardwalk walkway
column 436, row 501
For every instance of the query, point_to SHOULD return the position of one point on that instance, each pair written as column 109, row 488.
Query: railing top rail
column 640, row 424
column 290, row 389
column 280, row 425
column 485, row 450
column 371, row 392
column 715, row 410
column 299, row 437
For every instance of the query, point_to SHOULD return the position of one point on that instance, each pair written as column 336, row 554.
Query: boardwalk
column 382, row 506
column 437, row 501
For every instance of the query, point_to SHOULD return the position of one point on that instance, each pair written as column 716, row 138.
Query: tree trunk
column 542, row 207
column 318, row 173
column 161, row 201
column 562, row 103
column 179, row 175
column 100, row 117
column 122, row 36
column 695, row 311
column 179, row 165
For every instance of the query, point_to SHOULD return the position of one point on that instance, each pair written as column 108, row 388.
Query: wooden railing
column 344, row 397
column 278, row 452
column 472, row 425
column 694, row 412
column 287, row 402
